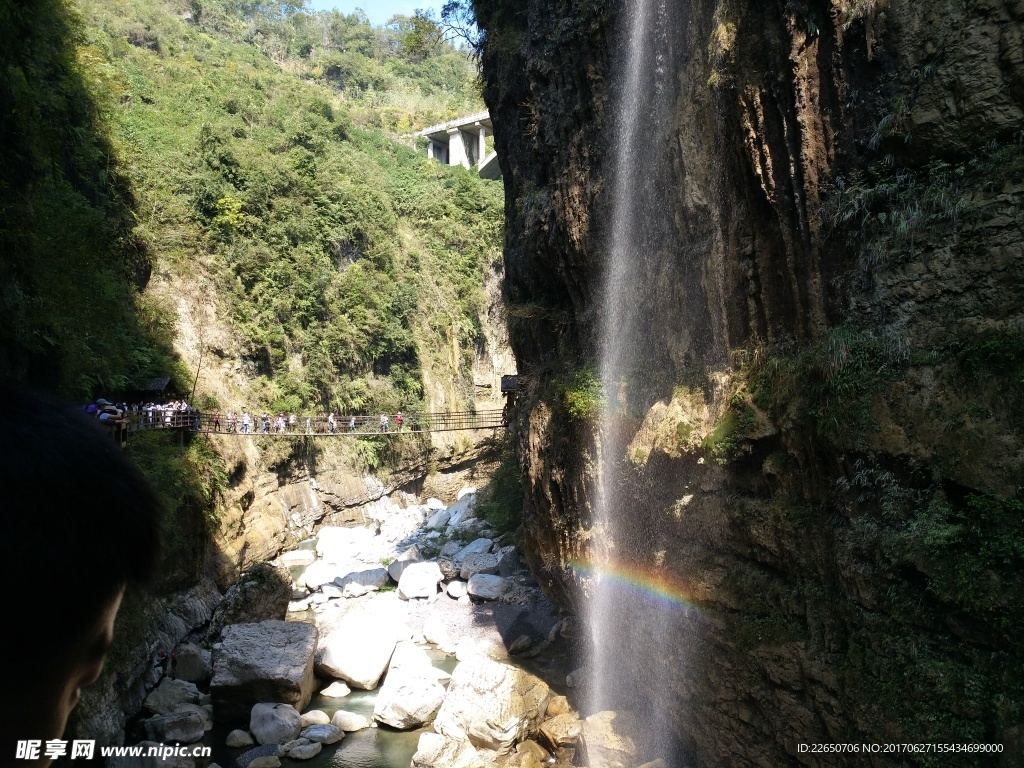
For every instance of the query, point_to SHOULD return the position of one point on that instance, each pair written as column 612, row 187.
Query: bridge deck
column 414, row 423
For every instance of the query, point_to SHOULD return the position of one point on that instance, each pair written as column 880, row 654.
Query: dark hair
column 79, row 520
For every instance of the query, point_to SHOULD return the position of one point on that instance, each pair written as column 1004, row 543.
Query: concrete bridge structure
column 463, row 141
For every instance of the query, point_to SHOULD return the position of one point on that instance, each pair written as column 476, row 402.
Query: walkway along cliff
column 824, row 440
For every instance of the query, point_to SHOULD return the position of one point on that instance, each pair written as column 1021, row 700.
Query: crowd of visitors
column 173, row 414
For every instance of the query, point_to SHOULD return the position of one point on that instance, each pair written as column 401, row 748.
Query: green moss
column 501, row 501
column 583, row 395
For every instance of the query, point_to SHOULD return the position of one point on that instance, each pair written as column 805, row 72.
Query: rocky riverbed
column 417, row 639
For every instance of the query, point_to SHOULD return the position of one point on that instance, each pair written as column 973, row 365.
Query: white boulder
column 487, row 587
column 457, row 589
column 419, row 580
column 435, row 631
column 349, row 722
column 323, row 734
column 397, row 566
column 314, row 717
column 436, row 751
column 336, row 690
column 475, row 547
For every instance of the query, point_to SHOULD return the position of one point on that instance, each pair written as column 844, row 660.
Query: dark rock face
column 827, row 448
column 261, row 593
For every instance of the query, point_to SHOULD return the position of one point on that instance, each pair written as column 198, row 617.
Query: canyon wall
column 827, row 449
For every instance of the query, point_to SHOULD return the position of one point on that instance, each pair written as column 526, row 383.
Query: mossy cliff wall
column 828, row 447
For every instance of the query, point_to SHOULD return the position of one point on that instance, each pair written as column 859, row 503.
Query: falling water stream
column 630, row 625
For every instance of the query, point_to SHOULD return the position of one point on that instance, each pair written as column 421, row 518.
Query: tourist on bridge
column 216, row 422
column 399, row 420
column 309, row 426
column 352, row 424
column 291, row 422
column 246, row 423
column 265, row 424
column 332, row 424
column 383, row 423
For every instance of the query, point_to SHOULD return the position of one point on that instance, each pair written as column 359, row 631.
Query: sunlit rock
column 419, row 580
column 274, row 723
column 487, row 587
column 349, row 722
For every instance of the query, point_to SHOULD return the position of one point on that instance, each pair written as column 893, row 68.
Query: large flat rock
column 271, row 661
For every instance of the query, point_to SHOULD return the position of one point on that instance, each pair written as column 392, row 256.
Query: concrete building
column 463, row 141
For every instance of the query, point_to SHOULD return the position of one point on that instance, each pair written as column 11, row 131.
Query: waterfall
column 630, row 618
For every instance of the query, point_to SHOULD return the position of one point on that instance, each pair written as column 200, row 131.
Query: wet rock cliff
column 826, row 442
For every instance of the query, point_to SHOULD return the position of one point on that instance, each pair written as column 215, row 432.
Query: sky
column 379, row 11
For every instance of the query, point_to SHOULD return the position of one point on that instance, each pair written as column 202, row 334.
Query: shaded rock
column 479, row 563
column 184, row 727
column 336, row 690
column 349, row 722
column 575, row 678
column 323, row 734
column 239, row 738
column 263, row 592
column 192, row 663
column 205, row 711
column 520, row 645
column 269, row 661
column 314, row 717
column 491, row 705
column 449, row 570
column 274, row 723
column 487, row 587
column 260, row 756
column 419, row 580
column 508, row 561
column 169, row 694
column 436, row 751
column 397, row 566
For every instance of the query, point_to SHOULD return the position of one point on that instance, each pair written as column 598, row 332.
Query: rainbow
column 647, row 582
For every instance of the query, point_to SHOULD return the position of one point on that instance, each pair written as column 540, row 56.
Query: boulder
column 487, row 587
column 397, row 566
column 450, row 549
column 464, row 492
column 323, row 734
column 611, row 739
column 336, row 690
column 508, row 561
column 260, row 757
column 457, row 589
column 349, row 722
column 262, row 593
column 183, row 727
column 575, row 678
column 561, row 731
column 274, row 723
column 205, row 711
column 475, row 547
column 297, row 557
column 479, row 563
column 462, row 510
column 358, row 583
column 434, row 504
column 169, row 694
column 492, row 705
column 192, row 663
column 268, row 661
column 435, row 751
column 314, row 717
column 409, row 698
column 322, row 572
column 435, row 631
column 239, row 738
column 558, row 706
column 340, row 544
column 305, row 751
column 419, row 580
column 439, row 519
column 359, row 648
column 448, row 568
